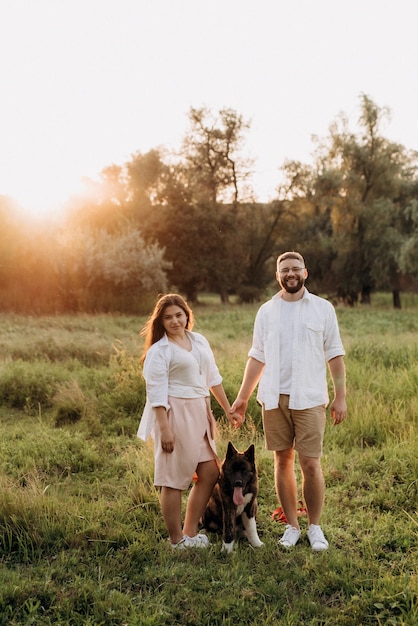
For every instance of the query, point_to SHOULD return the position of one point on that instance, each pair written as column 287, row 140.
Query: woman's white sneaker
column 290, row 537
column 180, row 545
column 198, row 541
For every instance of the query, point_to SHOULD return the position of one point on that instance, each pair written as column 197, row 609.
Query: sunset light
column 250, row 168
column 42, row 199
column 87, row 84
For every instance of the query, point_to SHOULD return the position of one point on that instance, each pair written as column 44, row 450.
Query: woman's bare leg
column 208, row 473
column 171, row 511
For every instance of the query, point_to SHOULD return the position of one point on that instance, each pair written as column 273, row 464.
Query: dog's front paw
column 227, row 547
column 256, row 543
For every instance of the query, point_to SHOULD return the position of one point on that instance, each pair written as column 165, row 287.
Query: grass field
column 82, row 541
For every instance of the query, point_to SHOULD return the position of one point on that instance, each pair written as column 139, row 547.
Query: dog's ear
column 231, row 450
column 250, row 453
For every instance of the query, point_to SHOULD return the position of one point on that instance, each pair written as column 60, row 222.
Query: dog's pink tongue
column 238, row 497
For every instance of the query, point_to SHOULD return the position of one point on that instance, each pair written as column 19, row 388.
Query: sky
column 88, row 83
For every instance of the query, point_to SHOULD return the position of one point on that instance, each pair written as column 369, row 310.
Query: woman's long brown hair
column 153, row 330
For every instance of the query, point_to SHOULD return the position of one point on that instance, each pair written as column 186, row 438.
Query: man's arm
column 338, row 406
column 252, row 375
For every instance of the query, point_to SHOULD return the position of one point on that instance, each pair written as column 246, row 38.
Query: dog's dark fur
column 233, row 503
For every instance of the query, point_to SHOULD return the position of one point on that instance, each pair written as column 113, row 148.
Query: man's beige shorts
column 287, row 428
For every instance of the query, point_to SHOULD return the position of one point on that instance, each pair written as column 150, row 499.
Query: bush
column 249, row 294
column 28, row 386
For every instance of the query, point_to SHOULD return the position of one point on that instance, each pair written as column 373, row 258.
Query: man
column 296, row 335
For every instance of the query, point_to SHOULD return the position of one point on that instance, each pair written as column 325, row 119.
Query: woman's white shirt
column 172, row 371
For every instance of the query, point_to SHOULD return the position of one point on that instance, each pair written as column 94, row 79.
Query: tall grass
column 81, row 535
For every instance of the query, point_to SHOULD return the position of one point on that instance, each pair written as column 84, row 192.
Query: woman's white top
column 172, row 371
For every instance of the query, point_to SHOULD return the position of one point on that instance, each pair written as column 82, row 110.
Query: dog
column 233, row 503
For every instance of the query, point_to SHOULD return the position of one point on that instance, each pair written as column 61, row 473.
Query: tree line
column 190, row 222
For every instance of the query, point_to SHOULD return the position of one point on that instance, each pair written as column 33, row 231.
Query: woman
column 180, row 372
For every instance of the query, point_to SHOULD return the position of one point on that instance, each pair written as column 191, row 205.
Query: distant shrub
column 125, row 394
column 67, row 415
column 28, row 385
column 250, row 294
column 70, row 403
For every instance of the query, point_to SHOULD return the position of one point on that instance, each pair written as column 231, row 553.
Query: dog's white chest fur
column 249, row 525
column 242, row 506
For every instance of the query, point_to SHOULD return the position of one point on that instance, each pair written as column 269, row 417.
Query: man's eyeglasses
column 294, row 270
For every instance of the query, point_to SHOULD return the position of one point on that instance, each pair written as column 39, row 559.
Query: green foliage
column 191, row 222
column 83, row 369
column 82, row 540
column 213, row 164
column 96, row 267
column 71, row 404
column 27, row 387
column 81, row 270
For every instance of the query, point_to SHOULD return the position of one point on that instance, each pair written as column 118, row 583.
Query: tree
column 197, row 242
column 103, row 204
column 146, row 176
column 182, row 205
column 211, row 154
column 370, row 172
column 408, row 260
column 309, row 194
column 103, row 271
column 9, row 237
column 261, row 233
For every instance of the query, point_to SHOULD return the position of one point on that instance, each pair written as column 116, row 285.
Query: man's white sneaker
column 316, row 538
column 290, row 537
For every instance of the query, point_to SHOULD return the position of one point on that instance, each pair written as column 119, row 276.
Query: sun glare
column 40, row 207
column 43, row 201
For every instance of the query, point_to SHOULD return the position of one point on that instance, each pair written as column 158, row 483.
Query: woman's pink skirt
column 193, row 426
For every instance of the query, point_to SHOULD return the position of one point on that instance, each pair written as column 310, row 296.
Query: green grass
column 82, row 541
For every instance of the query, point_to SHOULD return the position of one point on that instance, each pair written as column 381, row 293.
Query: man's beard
column 300, row 281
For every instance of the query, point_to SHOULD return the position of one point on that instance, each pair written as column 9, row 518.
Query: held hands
column 237, row 413
column 235, row 418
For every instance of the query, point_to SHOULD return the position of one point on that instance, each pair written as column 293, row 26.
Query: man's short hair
column 290, row 255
